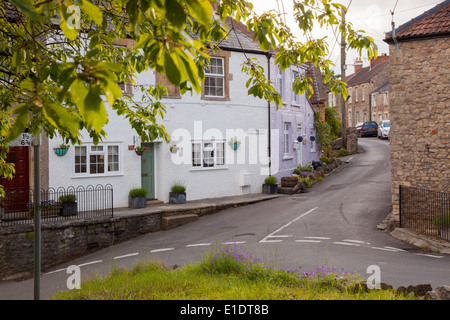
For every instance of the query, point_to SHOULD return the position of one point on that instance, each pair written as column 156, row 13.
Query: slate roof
column 432, row 23
column 318, row 85
column 383, row 88
column 366, row 73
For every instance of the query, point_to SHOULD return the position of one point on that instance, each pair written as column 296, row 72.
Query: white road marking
column 347, row 244
column 311, row 241
column 428, row 255
column 127, row 255
column 234, row 242
column 286, row 225
column 88, row 263
column 356, row 241
column 55, row 271
column 161, row 250
column 319, row 238
column 396, row 249
column 198, row 245
column 385, row 249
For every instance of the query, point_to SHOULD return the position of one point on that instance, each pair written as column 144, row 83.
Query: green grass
column 228, row 274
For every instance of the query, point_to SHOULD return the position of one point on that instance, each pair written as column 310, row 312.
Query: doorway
column 148, row 170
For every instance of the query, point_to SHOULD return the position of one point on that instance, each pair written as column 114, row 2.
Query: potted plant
column 61, row 150
column 68, row 205
column 270, row 185
column 234, row 144
column 137, row 198
column 177, row 193
column 139, row 150
column 442, row 223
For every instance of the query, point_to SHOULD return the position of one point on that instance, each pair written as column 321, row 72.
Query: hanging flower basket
column 139, row 150
column 234, row 144
column 174, row 148
column 61, row 150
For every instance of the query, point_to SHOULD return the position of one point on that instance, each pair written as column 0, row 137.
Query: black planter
column 137, row 202
column 69, row 209
column 177, row 198
column 270, row 188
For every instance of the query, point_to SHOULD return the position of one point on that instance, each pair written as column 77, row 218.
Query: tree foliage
column 60, row 61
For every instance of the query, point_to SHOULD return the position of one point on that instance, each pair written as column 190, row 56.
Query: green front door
column 148, row 170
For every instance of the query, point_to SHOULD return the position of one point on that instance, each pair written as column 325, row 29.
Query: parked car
column 358, row 127
column 369, row 128
column 384, row 128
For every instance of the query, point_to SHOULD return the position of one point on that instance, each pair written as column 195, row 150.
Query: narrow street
column 333, row 225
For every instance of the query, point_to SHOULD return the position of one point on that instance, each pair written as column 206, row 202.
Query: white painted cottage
column 200, row 125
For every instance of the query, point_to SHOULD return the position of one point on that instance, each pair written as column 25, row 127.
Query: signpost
column 37, row 217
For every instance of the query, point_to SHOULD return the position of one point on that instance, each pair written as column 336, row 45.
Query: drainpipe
column 269, row 150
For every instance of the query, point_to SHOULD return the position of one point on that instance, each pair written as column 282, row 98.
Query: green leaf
column 20, row 122
column 61, row 118
column 171, row 69
column 95, row 114
column 175, row 13
column 92, row 11
column 200, row 10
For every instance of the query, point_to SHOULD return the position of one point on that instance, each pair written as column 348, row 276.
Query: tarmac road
column 332, row 225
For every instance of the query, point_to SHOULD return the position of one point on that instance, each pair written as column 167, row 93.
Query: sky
column 372, row 16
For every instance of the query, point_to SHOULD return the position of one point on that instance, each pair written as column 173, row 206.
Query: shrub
column 68, row 198
column 307, row 181
column 271, row 180
column 178, row 187
column 326, row 160
column 138, row 192
column 343, row 152
column 442, row 221
column 305, row 167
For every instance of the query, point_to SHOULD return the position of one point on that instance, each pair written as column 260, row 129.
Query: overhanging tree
column 58, row 59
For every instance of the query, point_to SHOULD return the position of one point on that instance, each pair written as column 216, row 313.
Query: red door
column 17, row 189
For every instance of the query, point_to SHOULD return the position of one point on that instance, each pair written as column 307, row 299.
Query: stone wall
column 420, row 115
column 64, row 241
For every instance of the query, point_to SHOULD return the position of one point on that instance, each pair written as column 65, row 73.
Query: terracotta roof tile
column 434, row 22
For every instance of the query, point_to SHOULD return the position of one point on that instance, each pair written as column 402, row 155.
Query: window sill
column 209, row 168
column 286, row 158
column 103, row 175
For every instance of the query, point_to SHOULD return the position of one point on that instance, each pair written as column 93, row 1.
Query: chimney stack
column 358, row 64
column 379, row 59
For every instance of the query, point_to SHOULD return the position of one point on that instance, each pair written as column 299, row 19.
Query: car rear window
column 369, row 124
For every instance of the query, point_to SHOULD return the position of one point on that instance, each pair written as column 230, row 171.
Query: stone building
column 361, row 84
column 380, row 103
column 420, row 99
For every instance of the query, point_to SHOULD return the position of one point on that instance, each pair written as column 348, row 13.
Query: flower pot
column 289, row 181
column 177, row 198
column 139, row 153
column 137, row 202
column 60, row 151
column 234, row 146
column 269, row 188
column 69, row 209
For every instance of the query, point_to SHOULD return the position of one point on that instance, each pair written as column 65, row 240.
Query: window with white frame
column 214, row 85
column 350, row 97
column 296, row 96
column 286, row 138
column 208, row 154
column 386, row 99
column 357, row 116
column 363, row 93
column 374, row 100
column 356, row 94
column 280, row 80
column 97, row 160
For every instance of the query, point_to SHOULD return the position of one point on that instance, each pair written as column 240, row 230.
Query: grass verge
column 231, row 273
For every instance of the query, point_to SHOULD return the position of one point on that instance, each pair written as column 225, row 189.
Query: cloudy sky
column 372, row 16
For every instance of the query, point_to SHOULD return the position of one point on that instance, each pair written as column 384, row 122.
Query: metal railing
column 57, row 204
column 425, row 211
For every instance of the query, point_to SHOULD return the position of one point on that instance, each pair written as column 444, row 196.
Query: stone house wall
column 420, row 115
